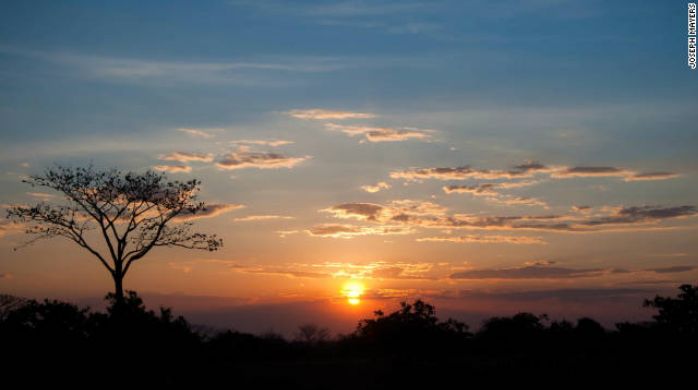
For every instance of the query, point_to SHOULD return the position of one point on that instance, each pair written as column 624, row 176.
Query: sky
column 489, row 158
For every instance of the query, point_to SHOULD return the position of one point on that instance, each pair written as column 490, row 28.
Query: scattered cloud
column 43, row 196
column 254, row 218
column 321, row 114
column 526, row 170
column 286, row 233
column 264, row 142
column 185, row 157
column 535, row 271
column 430, row 215
column 381, row 134
column 397, row 211
column 673, row 269
column 243, row 159
column 376, row 187
column 601, row 171
column 490, row 192
column 211, row 210
column 8, row 227
column 206, row 134
column 351, row 231
column 173, row 168
column 491, row 239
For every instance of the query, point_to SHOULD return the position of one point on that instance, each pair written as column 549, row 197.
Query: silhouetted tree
column 131, row 214
column 412, row 329
column 9, row 303
column 678, row 314
column 312, row 334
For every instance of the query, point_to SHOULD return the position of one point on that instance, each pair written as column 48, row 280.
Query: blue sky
column 568, row 84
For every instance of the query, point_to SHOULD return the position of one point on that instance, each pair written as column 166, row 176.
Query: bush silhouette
column 410, row 347
column 680, row 314
column 414, row 329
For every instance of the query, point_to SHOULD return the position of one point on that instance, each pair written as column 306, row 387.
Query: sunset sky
column 489, row 157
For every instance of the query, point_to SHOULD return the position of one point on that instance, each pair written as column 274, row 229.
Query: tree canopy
column 118, row 217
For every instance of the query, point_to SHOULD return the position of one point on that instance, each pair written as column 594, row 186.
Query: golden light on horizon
column 353, row 291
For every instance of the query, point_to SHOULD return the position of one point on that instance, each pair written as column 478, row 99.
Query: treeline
column 57, row 343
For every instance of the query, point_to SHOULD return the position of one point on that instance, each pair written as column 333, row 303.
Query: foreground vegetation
column 59, row 343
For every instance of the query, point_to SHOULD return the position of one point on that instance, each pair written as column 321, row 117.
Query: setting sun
column 353, row 291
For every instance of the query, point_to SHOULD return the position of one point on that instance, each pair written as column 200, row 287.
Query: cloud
column 8, row 227
column 491, row 239
column 462, row 173
column 487, row 188
column 673, row 269
column 264, row 142
column 528, row 169
column 43, row 196
column 381, row 134
column 397, row 211
column 140, row 70
column 477, row 190
column 351, row 231
column 243, row 159
column 641, row 215
column 184, row 157
column 197, row 133
column 572, row 295
column 254, row 218
column 211, row 211
column 490, row 193
column 172, row 168
column 286, row 233
column 642, row 176
column 604, row 171
column 376, row 188
column 321, row 114
column 530, row 272
column 434, row 216
column 360, row 211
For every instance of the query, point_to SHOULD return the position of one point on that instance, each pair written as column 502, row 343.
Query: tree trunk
column 118, row 276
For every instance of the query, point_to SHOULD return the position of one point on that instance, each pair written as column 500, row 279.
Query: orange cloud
column 184, row 157
column 381, row 134
column 172, row 168
column 491, row 239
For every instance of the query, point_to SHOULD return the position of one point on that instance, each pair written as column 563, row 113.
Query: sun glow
column 353, row 291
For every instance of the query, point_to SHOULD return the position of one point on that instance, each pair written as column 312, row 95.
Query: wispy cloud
column 381, row 185
column 243, row 159
column 173, row 168
column 323, row 114
column 184, row 157
column 206, row 134
column 41, row 195
column 351, row 231
column 534, row 271
column 381, row 134
column 211, row 211
column 673, row 269
column 527, row 170
column 255, row 218
column 254, row 72
column 8, row 227
column 430, row 215
column 490, row 239
column 263, row 142
column 490, row 192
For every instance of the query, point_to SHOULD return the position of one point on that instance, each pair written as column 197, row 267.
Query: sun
column 353, row 291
